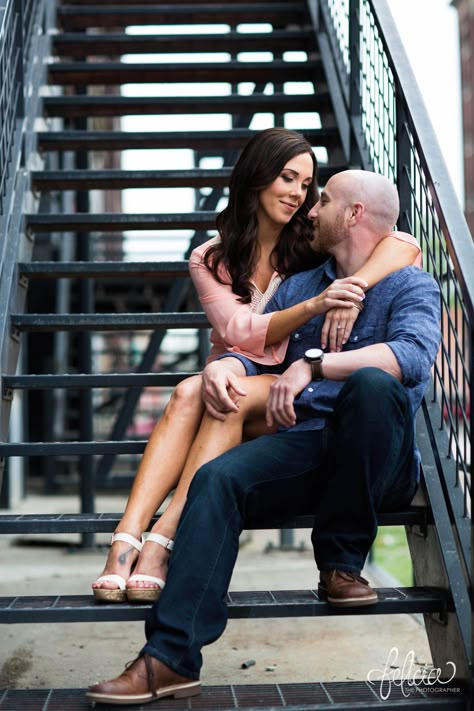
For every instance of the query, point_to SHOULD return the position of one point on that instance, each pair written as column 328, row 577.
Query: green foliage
column 390, row 551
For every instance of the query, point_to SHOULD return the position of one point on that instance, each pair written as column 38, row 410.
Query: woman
column 264, row 236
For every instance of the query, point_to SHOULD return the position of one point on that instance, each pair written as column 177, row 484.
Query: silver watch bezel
column 314, row 354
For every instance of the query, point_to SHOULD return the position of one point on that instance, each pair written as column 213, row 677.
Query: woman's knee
column 254, row 402
column 187, row 395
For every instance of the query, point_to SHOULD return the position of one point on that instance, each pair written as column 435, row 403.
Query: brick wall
column 466, row 33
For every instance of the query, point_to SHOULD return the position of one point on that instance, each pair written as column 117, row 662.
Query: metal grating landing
column 107, row 522
column 241, row 605
column 345, row 696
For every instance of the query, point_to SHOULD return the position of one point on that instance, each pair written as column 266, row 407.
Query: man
column 345, row 448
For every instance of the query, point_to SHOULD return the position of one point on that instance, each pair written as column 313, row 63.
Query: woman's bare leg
column 158, row 473
column 213, row 438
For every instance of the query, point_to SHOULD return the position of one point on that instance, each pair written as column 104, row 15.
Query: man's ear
column 356, row 212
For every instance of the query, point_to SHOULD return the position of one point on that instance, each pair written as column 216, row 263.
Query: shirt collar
column 329, row 268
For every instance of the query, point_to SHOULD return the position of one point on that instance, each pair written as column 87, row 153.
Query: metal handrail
column 24, row 46
column 389, row 130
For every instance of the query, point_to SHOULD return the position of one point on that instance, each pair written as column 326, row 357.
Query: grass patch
column 390, row 551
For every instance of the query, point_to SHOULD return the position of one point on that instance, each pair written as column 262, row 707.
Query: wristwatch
column 314, row 356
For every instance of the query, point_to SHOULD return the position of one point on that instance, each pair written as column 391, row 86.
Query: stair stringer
column 438, row 565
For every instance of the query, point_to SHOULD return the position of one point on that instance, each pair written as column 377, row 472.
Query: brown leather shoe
column 144, row 680
column 343, row 589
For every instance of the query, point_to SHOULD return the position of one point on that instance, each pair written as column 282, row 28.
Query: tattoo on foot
column 123, row 556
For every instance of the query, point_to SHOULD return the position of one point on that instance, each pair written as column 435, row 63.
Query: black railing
column 11, row 97
column 24, row 47
column 388, row 130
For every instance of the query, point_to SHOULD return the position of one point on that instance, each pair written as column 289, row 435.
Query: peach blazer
column 242, row 328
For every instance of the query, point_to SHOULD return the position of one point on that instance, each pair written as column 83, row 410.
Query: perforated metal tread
column 119, row 221
column 238, row 104
column 93, row 380
column 241, row 605
column 108, row 322
column 77, row 3
column 122, row 72
column 113, row 44
column 103, row 269
column 345, row 696
column 72, row 17
column 196, row 140
column 123, row 179
column 106, row 522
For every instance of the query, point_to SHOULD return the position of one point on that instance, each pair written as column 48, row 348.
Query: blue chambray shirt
column 402, row 311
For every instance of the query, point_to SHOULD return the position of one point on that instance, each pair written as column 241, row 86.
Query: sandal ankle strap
column 167, row 543
column 127, row 538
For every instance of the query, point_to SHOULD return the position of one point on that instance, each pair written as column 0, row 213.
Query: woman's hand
column 337, row 327
column 221, row 388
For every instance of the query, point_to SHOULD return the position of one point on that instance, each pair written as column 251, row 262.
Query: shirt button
column 297, row 335
column 310, row 390
column 356, row 338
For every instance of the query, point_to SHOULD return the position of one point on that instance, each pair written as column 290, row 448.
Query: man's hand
column 280, row 408
column 220, row 387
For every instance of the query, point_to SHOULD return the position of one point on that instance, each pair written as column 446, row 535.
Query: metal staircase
column 358, row 107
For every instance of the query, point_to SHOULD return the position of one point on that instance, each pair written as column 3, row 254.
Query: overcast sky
column 429, row 32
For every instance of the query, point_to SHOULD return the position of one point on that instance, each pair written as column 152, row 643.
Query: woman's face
column 284, row 196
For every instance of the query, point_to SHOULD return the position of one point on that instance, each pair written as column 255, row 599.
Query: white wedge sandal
column 149, row 594
column 118, row 594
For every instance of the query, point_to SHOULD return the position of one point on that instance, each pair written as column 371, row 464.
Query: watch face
column 314, row 353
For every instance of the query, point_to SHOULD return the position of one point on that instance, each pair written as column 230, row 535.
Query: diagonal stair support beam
column 174, row 302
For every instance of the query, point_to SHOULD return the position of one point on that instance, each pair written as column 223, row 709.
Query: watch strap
column 316, row 369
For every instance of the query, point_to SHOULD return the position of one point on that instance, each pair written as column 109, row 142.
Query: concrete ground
column 75, row 655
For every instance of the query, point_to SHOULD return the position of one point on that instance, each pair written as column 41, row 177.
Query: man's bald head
column 356, row 210
column 378, row 195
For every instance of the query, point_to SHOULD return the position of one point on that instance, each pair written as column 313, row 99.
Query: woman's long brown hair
column 260, row 162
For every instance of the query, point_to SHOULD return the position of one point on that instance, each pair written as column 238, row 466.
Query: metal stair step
column 107, row 322
column 316, row 696
column 116, row 222
column 59, row 449
column 116, row 73
column 47, row 270
column 232, row 103
column 76, row 381
column 122, row 179
column 126, row 179
column 12, row 523
column 79, row 44
column 196, row 140
column 80, row 17
column 241, row 605
column 77, row 3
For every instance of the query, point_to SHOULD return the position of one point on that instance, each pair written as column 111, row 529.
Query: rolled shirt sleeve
column 413, row 332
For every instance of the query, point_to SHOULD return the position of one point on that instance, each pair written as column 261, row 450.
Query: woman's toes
column 119, row 562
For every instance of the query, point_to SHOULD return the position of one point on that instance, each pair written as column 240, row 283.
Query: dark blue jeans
column 361, row 463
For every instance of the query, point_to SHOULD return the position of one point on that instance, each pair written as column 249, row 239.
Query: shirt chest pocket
column 307, row 336
column 360, row 338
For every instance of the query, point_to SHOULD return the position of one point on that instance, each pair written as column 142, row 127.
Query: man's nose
column 313, row 213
